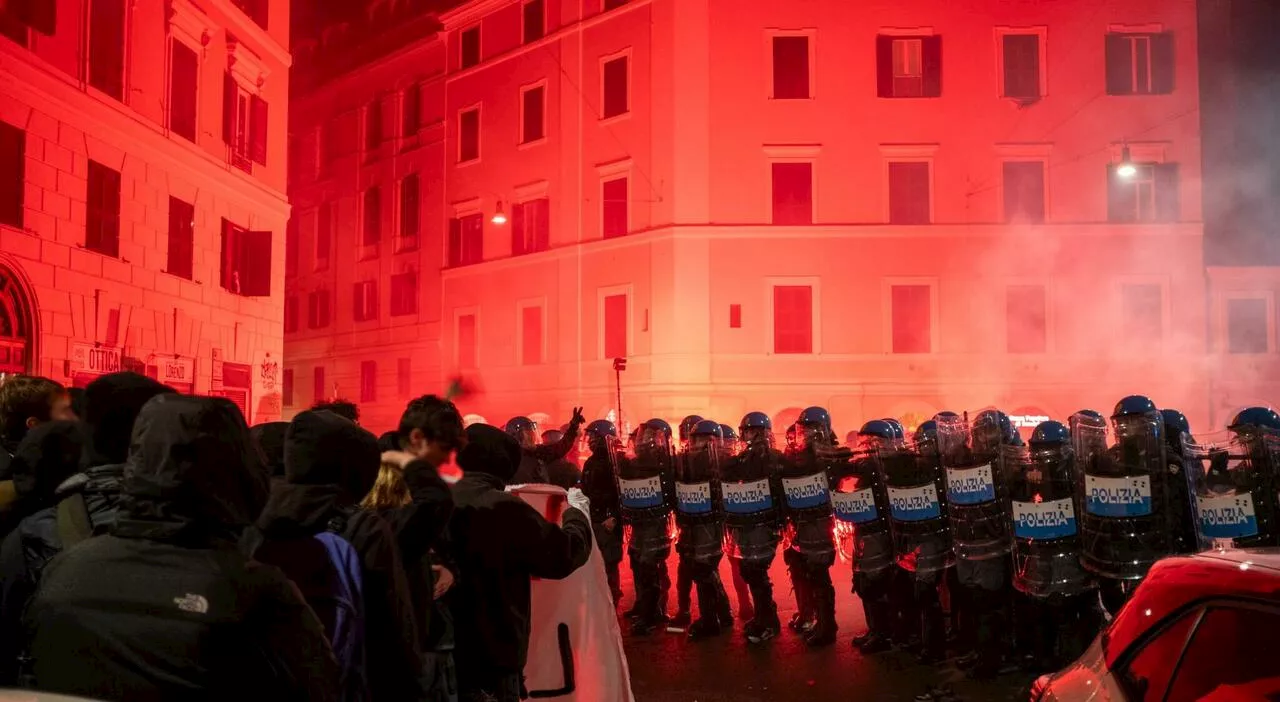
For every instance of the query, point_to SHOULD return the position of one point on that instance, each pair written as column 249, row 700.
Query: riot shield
column 645, row 495
column 699, row 507
column 860, row 504
column 751, row 491
column 1046, row 536
column 916, row 488
column 1123, row 525
column 1232, row 478
column 807, row 494
column 976, row 496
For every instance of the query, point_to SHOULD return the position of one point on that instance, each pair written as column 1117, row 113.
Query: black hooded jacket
column 499, row 544
column 167, row 606
column 269, row 439
column 330, row 465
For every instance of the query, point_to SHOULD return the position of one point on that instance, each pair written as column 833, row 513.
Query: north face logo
column 195, row 604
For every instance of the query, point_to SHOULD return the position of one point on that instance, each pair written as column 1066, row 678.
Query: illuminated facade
column 879, row 207
column 142, row 192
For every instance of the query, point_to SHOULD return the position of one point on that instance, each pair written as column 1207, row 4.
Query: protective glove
column 578, row 500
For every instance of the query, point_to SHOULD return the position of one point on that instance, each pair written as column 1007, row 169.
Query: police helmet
column 658, row 425
column 1264, row 417
column 927, row 431
column 815, row 416
column 1000, row 421
column 1175, row 422
column 686, row 426
column 878, row 428
column 1050, row 433
column 755, row 420
column 899, row 432
column 552, row 436
column 1133, row 405
column 727, row 433
column 1090, row 413
column 946, row 414
column 707, row 427
column 600, row 429
column 517, row 425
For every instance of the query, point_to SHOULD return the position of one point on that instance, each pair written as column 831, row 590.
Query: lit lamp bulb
column 499, row 217
column 1126, row 169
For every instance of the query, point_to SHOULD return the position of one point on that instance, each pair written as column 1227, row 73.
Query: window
column 364, row 305
column 182, row 238
column 1247, row 325
column 244, row 124
column 1149, row 195
column 373, row 125
column 908, row 67
column 324, row 236
column 290, row 314
column 317, row 388
column 409, row 213
column 246, row 261
column 13, row 170
column 404, row 294
column 466, row 240
column 534, row 21
column 318, row 309
column 286, row 388
column 469, row 135
column 912, row 310
column 102, row 226
column 106, row 46
column 530, row 335
column 793, row 193
column 404, row 379
column 909, row 201
column 368, row 381
column 470, row 48
column 1026, row 328
column 1229, row 651
column 255, row 9
column 792, row 319
column 291, row 248
column 615, row 87
column 613, row 210
column 1147, row 675
column 184, row 76
column 791, row 68
column 1020, row 54
column 372, row 232
column 330, row 145
column 531, row 226
column 613, row 4
column 16, row 17
column 735, row 316
column 615, row 326
column 1142, row 310
column 411, row 110
column 1139, row 64
column 532, row 114
column 1024, row 191
column 466, row 342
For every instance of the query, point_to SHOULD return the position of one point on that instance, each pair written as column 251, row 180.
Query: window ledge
column 531, row 144
column 609, row 121
column 464, row 164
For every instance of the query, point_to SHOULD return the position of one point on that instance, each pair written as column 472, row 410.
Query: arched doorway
column 17, row 324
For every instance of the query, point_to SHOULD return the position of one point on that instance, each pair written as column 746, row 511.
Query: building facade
column 882, row 208
column 142, row 192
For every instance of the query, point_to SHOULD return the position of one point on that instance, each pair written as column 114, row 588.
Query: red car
column 1198, row 628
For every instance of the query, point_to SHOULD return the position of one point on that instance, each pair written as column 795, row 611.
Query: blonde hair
column 390, row 490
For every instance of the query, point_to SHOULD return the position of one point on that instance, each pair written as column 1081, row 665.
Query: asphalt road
column 667, row 667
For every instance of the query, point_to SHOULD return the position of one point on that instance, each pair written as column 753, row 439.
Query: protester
column 26, row 401
column 330, row 465
column 343, row 408
column 499, row 543
column 562, row 471
column 49, row 454
column 167, row 606
column 268, row 438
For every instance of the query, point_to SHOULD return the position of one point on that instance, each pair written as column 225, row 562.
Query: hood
column 490, row 450
column 111, row 404
column 269, row 438
column 191, row 471
column 48, row 455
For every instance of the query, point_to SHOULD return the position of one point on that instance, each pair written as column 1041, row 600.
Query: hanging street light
column 499, row 216
column 1125, row 169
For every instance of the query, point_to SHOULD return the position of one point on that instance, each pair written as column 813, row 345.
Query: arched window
column 16, row 322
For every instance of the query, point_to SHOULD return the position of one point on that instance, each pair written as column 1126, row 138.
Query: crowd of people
column 154, row 547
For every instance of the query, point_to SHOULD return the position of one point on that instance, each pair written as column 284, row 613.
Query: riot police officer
column 812, row 550
column 1055, row 595
column 534, row 456
column 752, row 494
column 684, row 579
column 645, row 486
column 600, row 485
column 746, row 612
column 700, row 516
column 1181, row 515
column 1234, row 480
column 977, row 498
column 861, row 507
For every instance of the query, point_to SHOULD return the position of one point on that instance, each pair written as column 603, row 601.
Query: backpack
column 327, row 570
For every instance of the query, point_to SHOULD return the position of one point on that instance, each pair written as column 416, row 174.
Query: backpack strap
column 337, row 524
column 74, row 523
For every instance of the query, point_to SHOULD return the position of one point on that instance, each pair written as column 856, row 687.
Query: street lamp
column 1125, row 169
column 499, row 216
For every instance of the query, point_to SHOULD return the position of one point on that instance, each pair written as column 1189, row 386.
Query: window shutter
column 1162, row 63
column 230, row 91
column 1121, row 197
column 1022, row 65
column 1119, row 71
column 1168, row 197
column 13, row 149
column 884, row 66
column 255, row 264
column 40, row 15
column 517, row 230
column 182, row 91
column 541, row 223
column 931, row 65
column 455, row 241
column 229, row 241
column 258, row 130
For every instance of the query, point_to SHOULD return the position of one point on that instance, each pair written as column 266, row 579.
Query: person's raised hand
column 578, row 418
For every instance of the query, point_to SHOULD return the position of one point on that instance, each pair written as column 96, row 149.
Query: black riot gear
column 524, row 430
column 752, row 493
column 600, row 484
column 861, row 506
column 645, row 488
column 686, row 428
column 812, row 550
column 1234, row 478
column 700, row 516
column 1046, row 543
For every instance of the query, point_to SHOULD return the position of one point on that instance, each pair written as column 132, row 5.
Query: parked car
column 1198, row 628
